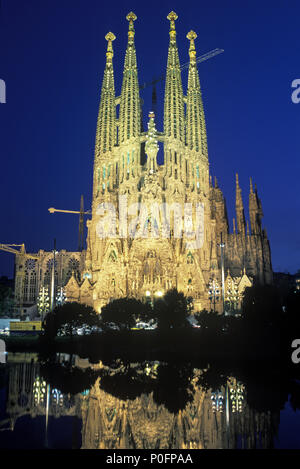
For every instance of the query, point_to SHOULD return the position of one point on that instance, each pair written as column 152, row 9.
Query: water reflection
column 29, row 394
column 149, row 405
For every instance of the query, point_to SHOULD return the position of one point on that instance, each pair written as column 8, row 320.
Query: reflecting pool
column 65, row 401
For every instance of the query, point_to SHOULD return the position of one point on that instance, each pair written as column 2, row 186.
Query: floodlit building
column 157, row 226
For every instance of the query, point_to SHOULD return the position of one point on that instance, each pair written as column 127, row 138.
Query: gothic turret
column 195, row 121
column 130, row 112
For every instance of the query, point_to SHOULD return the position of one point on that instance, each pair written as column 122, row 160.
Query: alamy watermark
column 296, row 353
column 296, row 93
column 2, row 92
column 152, row 222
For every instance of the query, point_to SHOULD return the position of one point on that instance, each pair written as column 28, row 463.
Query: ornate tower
column 154, row 226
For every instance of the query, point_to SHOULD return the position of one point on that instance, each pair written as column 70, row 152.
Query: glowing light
column 159, row 293
column 217, row 400
column 148, row 293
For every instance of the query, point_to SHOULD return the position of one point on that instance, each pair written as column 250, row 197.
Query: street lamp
column 222, row 245
column 52, row 295
column 217, row 400
column 213, row 292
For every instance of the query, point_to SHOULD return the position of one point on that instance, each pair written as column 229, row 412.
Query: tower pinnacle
column 172, row 17
column 110, row 37
column 131, row 17
column 105, row 135
column 130, row 114
column 191, row 36
column 251, row 186
column 239, row 207
column 174, row 105
column 195, row 128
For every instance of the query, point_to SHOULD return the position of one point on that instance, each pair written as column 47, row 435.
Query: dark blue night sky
column 52, row 56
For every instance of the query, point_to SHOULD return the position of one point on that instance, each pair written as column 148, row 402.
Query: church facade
column 160, row 226
column 156, row 227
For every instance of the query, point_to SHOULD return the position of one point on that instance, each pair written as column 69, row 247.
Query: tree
column 68, row 317
column 6, row 299
column 172, row 310
column 208, row 320
column 261, row 304
column 125, row 312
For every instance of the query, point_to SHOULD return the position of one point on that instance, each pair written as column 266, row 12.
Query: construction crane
column 81, row 214
column 200, row 59
column 11, row 248
column 153, row 83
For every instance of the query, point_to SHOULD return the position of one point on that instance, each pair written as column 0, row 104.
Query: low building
column 25, row 327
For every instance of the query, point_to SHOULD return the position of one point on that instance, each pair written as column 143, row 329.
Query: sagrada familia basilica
column 156, row 226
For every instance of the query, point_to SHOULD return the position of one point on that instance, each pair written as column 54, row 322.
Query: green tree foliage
column 209, row 320
column 68, row 317
column 261, row 305
column 6, row 299
column 172, row 310
column 125, row 312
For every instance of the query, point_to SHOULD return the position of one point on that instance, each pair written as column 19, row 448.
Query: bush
column 65, row 319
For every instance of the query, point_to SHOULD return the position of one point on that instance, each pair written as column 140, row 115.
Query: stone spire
column 106, row 125
column 130, row 112
column 255, row 211
column 196, row 138
column 233, row 225
column 174, row 105
column 239, row 208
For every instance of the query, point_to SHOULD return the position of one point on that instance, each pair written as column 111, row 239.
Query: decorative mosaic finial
column 191, row 36
column 172, row 17
column 110, row 37
column 131, row 17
